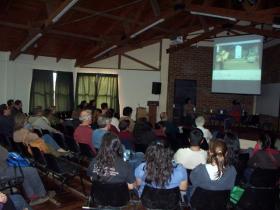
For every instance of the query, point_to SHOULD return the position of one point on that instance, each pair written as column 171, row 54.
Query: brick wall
column 271, row 65
column 196, row 64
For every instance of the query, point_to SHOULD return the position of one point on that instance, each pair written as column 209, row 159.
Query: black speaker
column 156, row 89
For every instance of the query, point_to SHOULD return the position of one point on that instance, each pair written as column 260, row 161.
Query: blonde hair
column 200, row 121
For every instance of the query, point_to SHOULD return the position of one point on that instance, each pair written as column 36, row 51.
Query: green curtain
column 85, row 87
column 64, row 98
column 107, row 91
column 41, row 93
column 101, row 87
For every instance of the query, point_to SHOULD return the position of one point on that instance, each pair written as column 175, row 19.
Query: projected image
column 237, row 56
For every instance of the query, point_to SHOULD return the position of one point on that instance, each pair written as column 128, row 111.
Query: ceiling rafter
column 253, row 30
column 168, row 14
column 196, row 39
column 139, row 61
column 265, row 16
column 31, row 39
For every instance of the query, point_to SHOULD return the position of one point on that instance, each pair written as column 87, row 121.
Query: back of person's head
column 110, row 149
column 83, row 104
column 109, row 114
column 217, row 155
column 38, row 110
column 163, row 116
column 159, row 166
column 85, row 116
column 104, row 106
column 200, row 121
column 265, row 141
column 103, row 121
column 3, row 107
column 92, row 102
column 196, row 137
column 127, row 111
column 47, row 112
column 18, row 102
column 124, row 124
column 10, row 102
column 20, row 120
column 233, row 147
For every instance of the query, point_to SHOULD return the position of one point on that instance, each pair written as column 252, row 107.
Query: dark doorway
column 183, row 89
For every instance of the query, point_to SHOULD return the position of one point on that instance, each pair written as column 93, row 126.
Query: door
column 183, row 89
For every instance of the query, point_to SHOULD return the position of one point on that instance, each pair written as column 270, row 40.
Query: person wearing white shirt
column 193, row 156
column 200, row 121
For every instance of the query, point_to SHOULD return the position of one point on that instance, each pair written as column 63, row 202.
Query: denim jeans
column 19, row 202
column 50, row 141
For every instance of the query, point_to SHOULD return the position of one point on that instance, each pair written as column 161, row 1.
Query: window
column 101, row 87
column 50, row 88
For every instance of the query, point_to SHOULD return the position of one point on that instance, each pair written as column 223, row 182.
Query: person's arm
column 131, row 183
column 183, row 185
column 184, row 178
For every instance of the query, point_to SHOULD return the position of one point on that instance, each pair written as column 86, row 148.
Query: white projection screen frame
column 237, row 63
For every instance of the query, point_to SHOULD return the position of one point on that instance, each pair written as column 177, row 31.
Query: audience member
column 17, row 108
column 264, row 156
column 50, row 115
column 10, row 104
column 32, row 184
column 104, row 108
column 125, row 135
column 188, row 112
column 46, row 144
column 6, row 122
column 95, row 116
column 127, row 113
column 82, row 106
column 92, row 105
column 217, row 174
column 193, row 156
column 143, row 132
column 83, row 133
column 104, row 127
column 114, row 128
column 109, row 166
column 38, row 121
column 171, row 129
column 200, row 121
column 159, row 171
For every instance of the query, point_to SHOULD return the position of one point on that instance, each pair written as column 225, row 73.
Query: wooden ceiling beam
column 195, row 39
column 115, row 17
column 253, row 30
column 259, row 16
column 156, row 8
column 31, row 39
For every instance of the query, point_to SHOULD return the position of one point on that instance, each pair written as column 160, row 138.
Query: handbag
column 236, row 194
column 16, row 160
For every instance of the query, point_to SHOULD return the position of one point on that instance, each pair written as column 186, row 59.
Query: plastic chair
column 209, row 199
column 154, row 198
column 108, row 195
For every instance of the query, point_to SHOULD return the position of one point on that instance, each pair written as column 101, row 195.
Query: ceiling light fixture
column 31, row 42
column 64, row 10
column 105, row 51
column 213, row 15
column 146, row 28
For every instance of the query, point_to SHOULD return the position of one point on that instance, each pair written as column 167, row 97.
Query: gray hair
column 102, row 121
column 85, row 115
column 200, row 121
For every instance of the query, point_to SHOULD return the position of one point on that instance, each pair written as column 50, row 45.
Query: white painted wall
column 16, row 76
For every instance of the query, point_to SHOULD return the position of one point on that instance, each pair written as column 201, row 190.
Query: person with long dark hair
column 109, row 166
column 159, row 170
column 216, row 174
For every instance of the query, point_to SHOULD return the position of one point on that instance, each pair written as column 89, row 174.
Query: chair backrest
column 110, row 194
column 209, row 199
column 86, row 151
column 154, row 198
column 72, row 144
column 264, row 177
column 38, row 156
column 59, row 138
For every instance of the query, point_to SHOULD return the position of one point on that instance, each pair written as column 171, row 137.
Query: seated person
column 264, row 156
column 200, row 121
column 125, row 135
column 171, row 130
column 46, row 144
column 109, row 166
column 83, row 133
column 114, row 122
column 38, row 121
column 32, row 183
column 193, row 156
column 159, row 170
column 6, row 121
column 216, row 174
column 104, row 127
column 127, row 113
column 143, row 132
